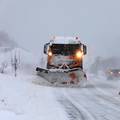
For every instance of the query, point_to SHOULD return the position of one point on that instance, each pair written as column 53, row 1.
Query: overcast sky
column 32, row 22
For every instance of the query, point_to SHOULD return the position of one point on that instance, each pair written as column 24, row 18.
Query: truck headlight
column 79, row 54
column 111, row 72
column 49, row 53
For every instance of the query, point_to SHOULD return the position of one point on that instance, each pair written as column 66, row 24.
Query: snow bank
column 7, row 115
column 20, row 99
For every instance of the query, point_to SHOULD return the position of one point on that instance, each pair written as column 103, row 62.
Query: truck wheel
column 48, row 66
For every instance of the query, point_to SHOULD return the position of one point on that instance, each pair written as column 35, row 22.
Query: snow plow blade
column 60, row 77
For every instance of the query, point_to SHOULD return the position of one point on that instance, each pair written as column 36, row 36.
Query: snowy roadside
column 20, row 99
column 106, row 87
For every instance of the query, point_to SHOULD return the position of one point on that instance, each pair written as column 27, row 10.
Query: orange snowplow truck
column 64, row 61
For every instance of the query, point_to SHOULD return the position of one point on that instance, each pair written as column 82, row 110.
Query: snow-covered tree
column 15, row 62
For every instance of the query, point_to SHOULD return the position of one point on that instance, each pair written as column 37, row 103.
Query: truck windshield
column 65, row 49
column 115, row 70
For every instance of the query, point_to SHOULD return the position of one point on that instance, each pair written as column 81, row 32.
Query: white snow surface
column 20, row 99
column 31, row 97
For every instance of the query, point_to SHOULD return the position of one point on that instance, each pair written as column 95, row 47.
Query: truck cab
column 65, row 53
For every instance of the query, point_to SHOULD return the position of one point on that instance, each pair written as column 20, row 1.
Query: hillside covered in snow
column 9, row 49
column 6, row 43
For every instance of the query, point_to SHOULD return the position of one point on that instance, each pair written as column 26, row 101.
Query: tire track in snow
column 106, row 100
column 106, row 104
column 75, row 110
column 100, row 94
column 98, row 107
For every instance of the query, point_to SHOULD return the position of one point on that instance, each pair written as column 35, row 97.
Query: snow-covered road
column 22, row 98
column 98, row 101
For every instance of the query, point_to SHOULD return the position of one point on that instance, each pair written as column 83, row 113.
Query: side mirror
column 45, row 48
column 84, row 49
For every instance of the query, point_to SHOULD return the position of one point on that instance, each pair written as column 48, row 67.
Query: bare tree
column 15, row 62
column 3, row 66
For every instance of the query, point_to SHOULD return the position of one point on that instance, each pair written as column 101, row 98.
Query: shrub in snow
column 3, row 67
